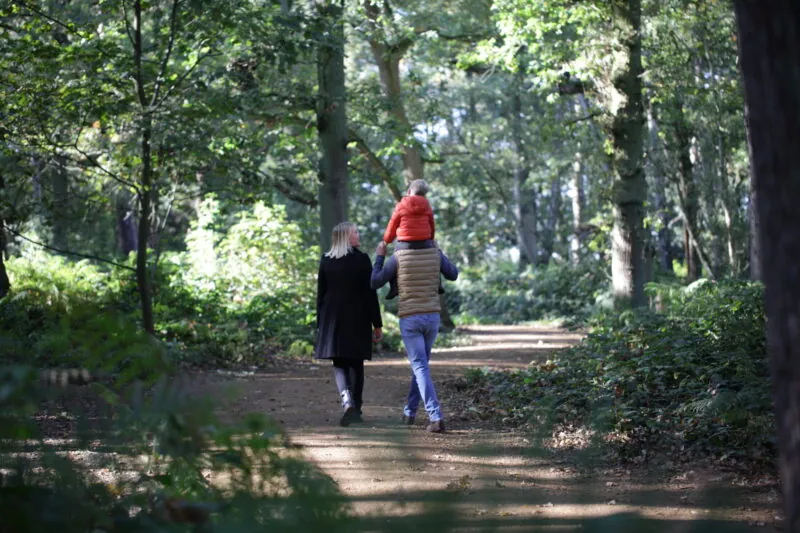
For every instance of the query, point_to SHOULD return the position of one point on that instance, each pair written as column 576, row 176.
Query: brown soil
column 492, row 478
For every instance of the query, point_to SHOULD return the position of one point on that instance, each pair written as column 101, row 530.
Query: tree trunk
column 127, row 230
column 60, row 204
column 752, row 212
column 769, row 41
column 388, row 58
column 332, row 121
column 525, row 218
column 659, row 194
column 687, row 192
column 578, row 200
column 146, row 178
column 630, row 187
column 5, row 283
column 551, row 224
column 524, row 209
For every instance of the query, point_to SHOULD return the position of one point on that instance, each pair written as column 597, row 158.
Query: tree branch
column 162, row 72
column 67, row 252
column 384, row 173
column 590, row 116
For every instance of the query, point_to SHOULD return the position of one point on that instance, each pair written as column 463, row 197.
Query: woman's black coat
column 347, row 307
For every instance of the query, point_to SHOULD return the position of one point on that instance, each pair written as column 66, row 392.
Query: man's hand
column 381, row 249
column 377, row 335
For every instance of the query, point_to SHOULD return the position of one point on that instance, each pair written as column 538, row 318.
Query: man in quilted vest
column 418, row 307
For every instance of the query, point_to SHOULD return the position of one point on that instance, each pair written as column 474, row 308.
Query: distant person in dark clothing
column 348, row 317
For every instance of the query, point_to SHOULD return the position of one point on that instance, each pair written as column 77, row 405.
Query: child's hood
column 416, row 205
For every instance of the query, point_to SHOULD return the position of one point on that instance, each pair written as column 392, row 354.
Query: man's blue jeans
column 419, row 333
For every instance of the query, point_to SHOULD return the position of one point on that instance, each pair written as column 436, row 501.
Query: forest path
column 490, row 477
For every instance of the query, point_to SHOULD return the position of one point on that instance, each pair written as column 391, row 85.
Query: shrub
column 498, row 293
column 693, row 378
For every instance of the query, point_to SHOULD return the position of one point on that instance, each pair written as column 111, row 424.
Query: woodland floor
column 490, row 475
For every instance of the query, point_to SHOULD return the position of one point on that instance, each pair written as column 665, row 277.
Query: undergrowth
column 691, row 380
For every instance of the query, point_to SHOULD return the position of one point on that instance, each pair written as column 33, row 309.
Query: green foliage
column 693, row 379
column 498, row 293
column 169, row 449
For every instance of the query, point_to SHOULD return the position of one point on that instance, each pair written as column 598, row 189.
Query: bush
column 693, row 378
column 175, row 467
column 499, row 293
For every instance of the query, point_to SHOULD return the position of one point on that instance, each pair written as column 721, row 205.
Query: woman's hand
column 377, row 335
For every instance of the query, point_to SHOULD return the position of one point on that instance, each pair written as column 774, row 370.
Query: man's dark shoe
column 408, row 420
column 348, row 417
column 356, row 418
column 436, row 427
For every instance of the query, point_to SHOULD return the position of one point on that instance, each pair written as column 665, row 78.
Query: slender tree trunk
column 60, row 204
column 578, row 200
column 753, row 218
column 687, row 192
column 659, row 193
column 524, row 209
column 127, row 230
column 551, row 224
column 332, row 121
column 146, row 178
column 5, row 283
column 769, row 53
column 630, row 187
column 387, row 58
column 525, row 219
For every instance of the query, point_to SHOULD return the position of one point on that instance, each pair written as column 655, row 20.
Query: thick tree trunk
column 630, row 187
column 332, row 121
column 769, row 53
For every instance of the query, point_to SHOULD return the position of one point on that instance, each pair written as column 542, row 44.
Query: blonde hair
column 418, row 188
column 340, row 240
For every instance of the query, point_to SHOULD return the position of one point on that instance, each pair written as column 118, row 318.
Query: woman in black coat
column 347, row 312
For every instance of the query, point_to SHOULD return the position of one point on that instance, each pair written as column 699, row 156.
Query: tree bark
column 387, row 57
column 630, row 187
column 769, row 54
column 659, row 194
column 127, row 230
column 146, row 177
column 752, row 212
column 524, row 209
column 332, row 121
column 5, row 283
column 60, row 216
column 551, row 224
column 687, row 191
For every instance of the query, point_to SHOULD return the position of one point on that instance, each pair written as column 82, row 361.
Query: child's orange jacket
column 412, row 220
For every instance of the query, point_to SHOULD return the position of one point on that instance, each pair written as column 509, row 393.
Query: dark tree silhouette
column 769, row 53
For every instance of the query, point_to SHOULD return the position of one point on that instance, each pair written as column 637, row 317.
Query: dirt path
column 490, row 478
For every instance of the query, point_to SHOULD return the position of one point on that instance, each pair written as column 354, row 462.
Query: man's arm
column 448, row 269
column 382, row 273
